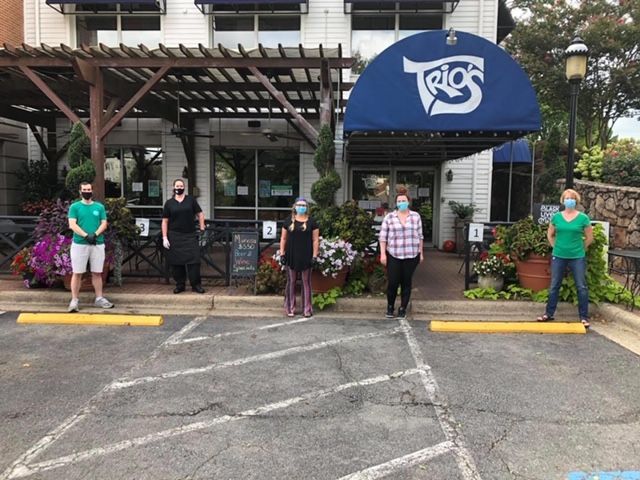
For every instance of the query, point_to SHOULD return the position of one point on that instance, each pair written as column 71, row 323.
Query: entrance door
column 420, row 185
column 374, row 189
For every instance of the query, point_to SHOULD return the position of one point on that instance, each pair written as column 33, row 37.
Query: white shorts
column 81, row 254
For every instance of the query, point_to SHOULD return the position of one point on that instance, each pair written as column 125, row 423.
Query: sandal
column 545, row 318
column 585, row 322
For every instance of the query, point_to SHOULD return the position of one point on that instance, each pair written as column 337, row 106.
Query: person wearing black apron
column 180, row 239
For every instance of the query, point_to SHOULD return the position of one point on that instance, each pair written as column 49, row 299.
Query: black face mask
column 86, row 195
column 178, row 191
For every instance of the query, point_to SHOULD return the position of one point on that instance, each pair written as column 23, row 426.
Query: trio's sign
column 452, row 76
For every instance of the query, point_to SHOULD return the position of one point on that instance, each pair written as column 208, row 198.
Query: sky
column 627, row 128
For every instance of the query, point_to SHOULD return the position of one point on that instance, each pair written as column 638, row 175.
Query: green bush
column 526, row 237
column 35, row 182
column 323, row 191
column 589, row 166
column 82, row 173
column 621, row 165
column 348, row 222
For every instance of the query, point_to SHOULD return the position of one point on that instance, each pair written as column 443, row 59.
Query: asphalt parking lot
column 315, row 398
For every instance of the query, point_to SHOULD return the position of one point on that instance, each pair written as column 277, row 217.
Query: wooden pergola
column 102, row 85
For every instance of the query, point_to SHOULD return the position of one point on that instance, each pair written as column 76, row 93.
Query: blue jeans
column 578, row 268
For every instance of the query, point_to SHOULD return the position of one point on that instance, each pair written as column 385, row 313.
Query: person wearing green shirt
column 570, row 234
column 88, row 221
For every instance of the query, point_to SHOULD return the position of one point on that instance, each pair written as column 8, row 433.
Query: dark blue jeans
column 578, row 268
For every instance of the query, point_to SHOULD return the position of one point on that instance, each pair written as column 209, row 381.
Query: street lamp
column 575, row 70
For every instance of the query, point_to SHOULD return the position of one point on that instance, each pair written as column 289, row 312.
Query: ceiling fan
column 267, row 131
column 182, row 132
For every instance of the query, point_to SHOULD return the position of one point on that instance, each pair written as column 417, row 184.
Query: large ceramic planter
column 86, row 285
column 322, row 284
column 488, row 281
column 534, row 272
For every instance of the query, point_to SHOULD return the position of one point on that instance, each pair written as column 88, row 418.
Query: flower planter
column 322, row 284
column 488, row 281
column 534, row 272
column 86, row 285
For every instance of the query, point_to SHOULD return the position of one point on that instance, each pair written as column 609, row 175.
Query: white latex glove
column 165, row 243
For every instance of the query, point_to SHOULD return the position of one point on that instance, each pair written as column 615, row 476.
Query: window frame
column 118, row 29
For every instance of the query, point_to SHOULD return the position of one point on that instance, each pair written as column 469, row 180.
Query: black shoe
column 178, row 289
column 402, row 313
column 390, row 311
column 198, row 289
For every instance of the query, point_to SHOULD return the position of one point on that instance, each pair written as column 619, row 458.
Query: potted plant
column 527, row 241
column 331, row 266
column 463, row 214
column 491, row 270
column 50, row 259
column 270, row 277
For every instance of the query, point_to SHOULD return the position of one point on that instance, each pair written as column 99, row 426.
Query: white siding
column 185, row 24
column 54, row 26
column 326, row 24
column 475, row 16
column 471, row 184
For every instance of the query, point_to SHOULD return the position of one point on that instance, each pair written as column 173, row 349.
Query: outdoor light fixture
column 575, row 70
column 451, row 37
column 449, row 175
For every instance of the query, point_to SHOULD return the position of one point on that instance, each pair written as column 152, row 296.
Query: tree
column 611, row 89
column 323, row 191
column 82, row 168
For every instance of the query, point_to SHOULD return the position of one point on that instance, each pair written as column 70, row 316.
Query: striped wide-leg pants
column 290, row 292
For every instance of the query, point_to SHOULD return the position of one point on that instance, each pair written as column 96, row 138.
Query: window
column 371, row 34
column 252, row 184
column 115, row 29
column 249, row 30
column 134, row 173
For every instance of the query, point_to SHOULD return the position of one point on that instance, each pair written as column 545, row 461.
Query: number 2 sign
column 269, row 230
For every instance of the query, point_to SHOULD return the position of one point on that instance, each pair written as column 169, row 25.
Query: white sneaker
column 73, row 305
column 102, row 302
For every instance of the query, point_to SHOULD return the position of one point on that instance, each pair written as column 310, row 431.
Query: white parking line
column 240, row 332
column 24, row 470
column 89, row 407
column 127, row 382
column 448, row 423
column 401, row 463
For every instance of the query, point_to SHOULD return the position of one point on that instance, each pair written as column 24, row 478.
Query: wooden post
column 326, row 93
column 96, row 110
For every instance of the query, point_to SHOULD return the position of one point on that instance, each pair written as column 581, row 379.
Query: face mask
column 301, row 210
column 178, row 191
column 86, row 195
column 402, row 206
column 570, row 203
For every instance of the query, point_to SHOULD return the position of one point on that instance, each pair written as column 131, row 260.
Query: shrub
column 348, row 222
column 270, row 277
column 323, row 191
column 590, row 165
column 621, row 165
column 527, row 237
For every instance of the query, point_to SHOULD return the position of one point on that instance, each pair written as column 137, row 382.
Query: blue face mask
column 402, row 206
column 301, row 210
column 570, row 203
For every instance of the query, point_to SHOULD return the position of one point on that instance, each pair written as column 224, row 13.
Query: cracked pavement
column 529, row 406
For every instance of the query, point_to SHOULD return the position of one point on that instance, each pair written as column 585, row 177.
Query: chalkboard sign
column 245, row 249
column 542, row 212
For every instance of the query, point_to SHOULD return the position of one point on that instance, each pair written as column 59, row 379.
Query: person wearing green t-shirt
column 570, row 234
column 88, row 221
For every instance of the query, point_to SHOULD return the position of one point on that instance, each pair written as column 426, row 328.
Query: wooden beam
column 85, row 72
column 326, row 95
column 148, row 85
column 309, row 141
column 64, row 108
column 111, row 109
column 37, row 118
column 302, row 123
column 40, row 141
column 177, row 62
column 96, row 140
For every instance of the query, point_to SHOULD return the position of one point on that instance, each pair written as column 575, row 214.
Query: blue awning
column 521, row 152
column 134, row 6
column 422, row 84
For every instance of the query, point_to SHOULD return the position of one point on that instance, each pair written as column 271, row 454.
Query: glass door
column 370, row 189
column 420, row 185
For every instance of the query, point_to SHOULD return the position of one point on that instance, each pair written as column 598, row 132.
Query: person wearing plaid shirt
column 401, row 250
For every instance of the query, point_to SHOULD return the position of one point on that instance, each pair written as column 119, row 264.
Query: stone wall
column 620, row 206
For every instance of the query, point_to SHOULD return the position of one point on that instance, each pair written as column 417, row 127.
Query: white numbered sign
column 143, row 224
column 269, row 229
column 476, row 232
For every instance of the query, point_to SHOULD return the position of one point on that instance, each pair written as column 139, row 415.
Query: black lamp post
column 575, row 70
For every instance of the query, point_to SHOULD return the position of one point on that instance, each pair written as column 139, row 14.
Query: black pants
column 180, row 274
column 400, row 273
